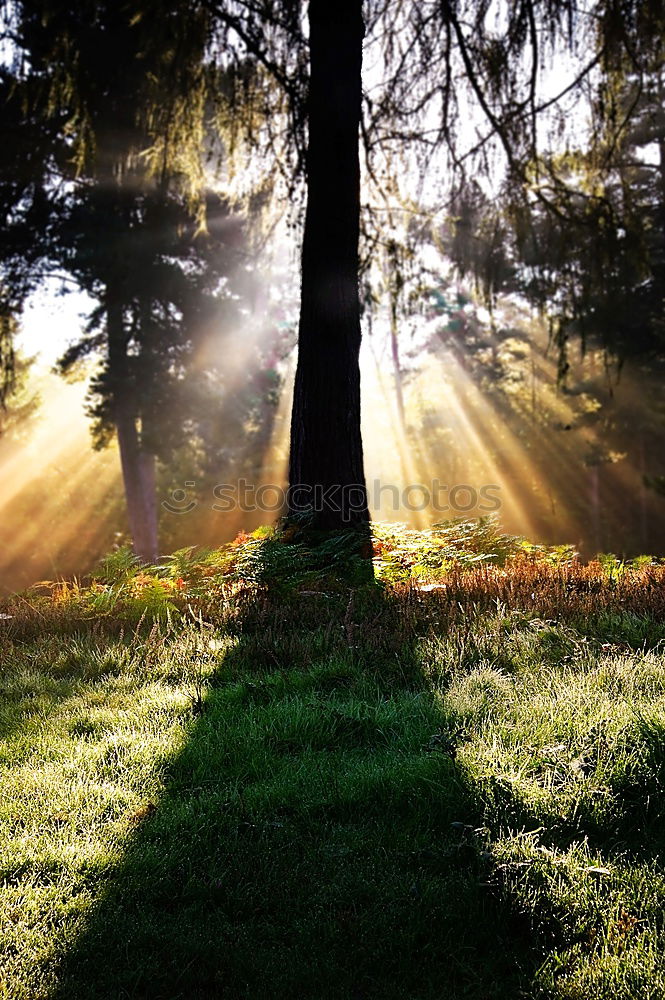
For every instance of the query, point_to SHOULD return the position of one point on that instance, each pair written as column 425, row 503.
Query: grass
column 234, row 776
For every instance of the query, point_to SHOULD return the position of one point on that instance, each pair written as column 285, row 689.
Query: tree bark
column 397, row 370
column 326, row 472
column 138, row 467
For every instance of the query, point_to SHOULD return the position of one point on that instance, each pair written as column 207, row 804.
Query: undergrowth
column 468, row 561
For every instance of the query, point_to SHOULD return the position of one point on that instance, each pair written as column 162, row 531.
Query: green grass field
column 445, row 784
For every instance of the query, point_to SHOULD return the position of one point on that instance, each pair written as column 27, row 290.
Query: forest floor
column 235, row 775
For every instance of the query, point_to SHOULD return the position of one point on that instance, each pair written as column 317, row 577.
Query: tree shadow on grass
column 315, row 836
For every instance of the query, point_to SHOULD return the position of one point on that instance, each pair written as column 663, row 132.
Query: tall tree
column 157, row 284
column 326, row 466
column 121, row 216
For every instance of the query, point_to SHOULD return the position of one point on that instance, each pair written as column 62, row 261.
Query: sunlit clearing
column 443, row 462
column 59, row 499
column 487, row 429
column 391, row 468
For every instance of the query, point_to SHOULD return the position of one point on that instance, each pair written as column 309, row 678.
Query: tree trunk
column 138, row 467
column 594, row 499
column 397, row 370
column 326, row 471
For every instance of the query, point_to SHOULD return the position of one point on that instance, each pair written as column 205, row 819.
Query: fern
column 117, row 566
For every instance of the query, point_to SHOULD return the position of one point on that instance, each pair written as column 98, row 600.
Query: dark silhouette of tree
column 157, row 283
column 584, row 239
column 326, row 471
column 26, row 158
column 126, row 230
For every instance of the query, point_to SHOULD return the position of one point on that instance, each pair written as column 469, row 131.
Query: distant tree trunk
column 138, row 467
column 594, row 499
column 397, row 369
column 642, row 464
column 326, row 471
